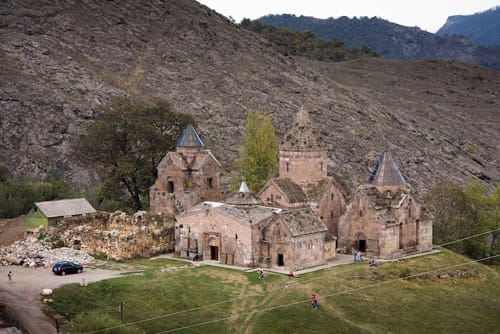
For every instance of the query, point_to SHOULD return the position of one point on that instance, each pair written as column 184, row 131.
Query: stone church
column 186, row 177
column 299, row 219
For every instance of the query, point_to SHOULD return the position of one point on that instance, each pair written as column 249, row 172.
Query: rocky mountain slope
column 391, row 40
column 482, row 28
column 61, row 60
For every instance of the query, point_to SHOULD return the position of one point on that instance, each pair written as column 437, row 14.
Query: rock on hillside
column 61, row 60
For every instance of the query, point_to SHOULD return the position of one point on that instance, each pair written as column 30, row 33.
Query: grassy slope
column 353, row 298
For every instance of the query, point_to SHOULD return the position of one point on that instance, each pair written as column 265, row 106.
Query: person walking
column 314, row 301
column 10, row 275
column 261, row 273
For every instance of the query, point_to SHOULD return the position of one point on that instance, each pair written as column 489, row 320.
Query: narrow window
column 361, row 213
column 210, row 182
column 331, row 197
column 287, row 167
column 170, row 185
column 331, row 214
column 321, row 166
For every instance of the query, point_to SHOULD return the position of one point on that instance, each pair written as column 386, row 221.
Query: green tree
column 259, row 156
column 125, row 145
column 18, row 194
column 463, row 212
column 494, row 222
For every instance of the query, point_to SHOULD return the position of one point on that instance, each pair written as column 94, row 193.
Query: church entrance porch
column 360, row 242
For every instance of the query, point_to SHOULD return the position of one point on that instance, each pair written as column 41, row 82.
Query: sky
column 429, row 15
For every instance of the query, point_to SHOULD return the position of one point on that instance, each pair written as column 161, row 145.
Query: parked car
column 66, row 267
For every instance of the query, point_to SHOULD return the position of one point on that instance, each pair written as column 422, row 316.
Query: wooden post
column 121, row 311
column 57, row 326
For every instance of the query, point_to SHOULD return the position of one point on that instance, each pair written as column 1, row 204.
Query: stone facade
column 303, row 179
column 252, row 235
column 116, row 235
column 186, row 177
column 384, row 219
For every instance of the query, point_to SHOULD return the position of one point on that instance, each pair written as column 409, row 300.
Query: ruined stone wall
column 116, row 235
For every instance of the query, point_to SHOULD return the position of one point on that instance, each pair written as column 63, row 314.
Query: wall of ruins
column 116, row 235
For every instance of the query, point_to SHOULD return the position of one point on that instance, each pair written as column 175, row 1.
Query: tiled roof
column 252, row 214
column 302, row 135
column 189, row 138
column 302, row 221
column 387, row 172
column 292, row 190
column 65, row 207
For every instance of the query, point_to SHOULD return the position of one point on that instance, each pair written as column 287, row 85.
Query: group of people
column 358, row 256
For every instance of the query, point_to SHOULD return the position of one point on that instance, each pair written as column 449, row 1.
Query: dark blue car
column 66, row 267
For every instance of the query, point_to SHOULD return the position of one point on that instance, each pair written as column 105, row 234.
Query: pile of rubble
column 34, row 253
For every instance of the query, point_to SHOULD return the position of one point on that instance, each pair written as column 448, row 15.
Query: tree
column 259, row 156
column 464, row 212
column 494, row 223
column 126, row 143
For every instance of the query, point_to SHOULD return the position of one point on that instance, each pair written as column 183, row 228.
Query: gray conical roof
column 189, row 138
column 243, row 197
column 302, row 135
column 387, row 172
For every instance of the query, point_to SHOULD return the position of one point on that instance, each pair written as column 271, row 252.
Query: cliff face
column 482, row 28
column 61, row 60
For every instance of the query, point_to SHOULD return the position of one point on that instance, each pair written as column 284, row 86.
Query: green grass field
column 166, row 296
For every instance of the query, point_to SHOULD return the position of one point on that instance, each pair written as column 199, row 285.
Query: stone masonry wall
column 117, row 235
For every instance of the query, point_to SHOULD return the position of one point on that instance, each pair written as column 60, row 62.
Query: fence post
column 121, row 311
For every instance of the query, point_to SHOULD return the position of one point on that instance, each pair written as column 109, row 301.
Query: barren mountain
column 61, row 60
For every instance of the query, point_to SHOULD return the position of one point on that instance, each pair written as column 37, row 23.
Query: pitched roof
column 302, row 135
column 251, row 214
column 302, row 222
column 387, row 172
column 292, row 190
column 189, row 138
column 65, row 207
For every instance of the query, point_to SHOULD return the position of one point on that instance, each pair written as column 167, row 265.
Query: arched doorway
column 360, row 242
column 213, row 246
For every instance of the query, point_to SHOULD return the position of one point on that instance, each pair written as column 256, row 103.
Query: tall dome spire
column 189, row 138
column 387, row 172
column 302, row 135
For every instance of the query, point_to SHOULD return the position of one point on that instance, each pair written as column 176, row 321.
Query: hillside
column 61, row 60
column 438, row 293
column 482, row 28
column 391, row 40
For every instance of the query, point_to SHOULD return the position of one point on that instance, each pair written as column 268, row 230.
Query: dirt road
column 23, row 299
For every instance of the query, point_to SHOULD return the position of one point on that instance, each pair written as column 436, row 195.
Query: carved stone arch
column 360, row 241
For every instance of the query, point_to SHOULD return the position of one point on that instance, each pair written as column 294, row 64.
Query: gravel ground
column 22, row 295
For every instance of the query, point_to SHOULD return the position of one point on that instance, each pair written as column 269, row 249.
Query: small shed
column 50, row 212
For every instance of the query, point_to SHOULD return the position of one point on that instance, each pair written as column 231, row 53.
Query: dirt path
column 22, row 295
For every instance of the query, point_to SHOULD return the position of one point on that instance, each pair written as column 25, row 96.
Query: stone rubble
column 35, row 253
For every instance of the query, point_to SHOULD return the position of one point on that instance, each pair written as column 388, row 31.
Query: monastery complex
column 299, row 219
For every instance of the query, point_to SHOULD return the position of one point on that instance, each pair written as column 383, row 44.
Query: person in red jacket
column 314, row 301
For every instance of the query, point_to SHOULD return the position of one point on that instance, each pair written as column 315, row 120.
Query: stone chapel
column 186, row 177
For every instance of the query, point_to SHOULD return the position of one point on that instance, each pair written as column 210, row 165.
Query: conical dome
column 387, row 172
column 189, row 138
column 303, row 135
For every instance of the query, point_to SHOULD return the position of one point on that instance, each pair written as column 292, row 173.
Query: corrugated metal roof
column 387, row 172
column 189, row 138
column 65, row 207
